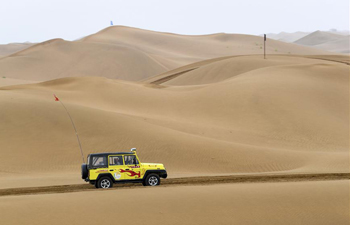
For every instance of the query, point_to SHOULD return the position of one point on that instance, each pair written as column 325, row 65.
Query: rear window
column 98, row 161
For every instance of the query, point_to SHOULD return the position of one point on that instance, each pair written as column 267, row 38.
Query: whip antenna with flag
column 75, row 129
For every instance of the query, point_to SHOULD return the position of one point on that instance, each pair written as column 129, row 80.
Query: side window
column 130, row 160
column 115, row 160
column 99, row 161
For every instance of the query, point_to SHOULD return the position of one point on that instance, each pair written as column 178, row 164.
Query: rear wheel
column 104, row 182
column 152, row 180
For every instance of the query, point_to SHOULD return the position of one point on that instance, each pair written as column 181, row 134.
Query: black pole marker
column 264, row 46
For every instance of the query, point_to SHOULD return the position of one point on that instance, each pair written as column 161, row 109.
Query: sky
column 39, row 20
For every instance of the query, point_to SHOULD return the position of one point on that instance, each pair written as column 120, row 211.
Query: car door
column 116, row 166
column 132, row 167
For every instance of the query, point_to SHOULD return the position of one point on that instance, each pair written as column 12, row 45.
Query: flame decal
column 132, row 173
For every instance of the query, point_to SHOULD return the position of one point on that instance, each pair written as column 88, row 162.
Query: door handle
column 111, row 170
column 126, row 169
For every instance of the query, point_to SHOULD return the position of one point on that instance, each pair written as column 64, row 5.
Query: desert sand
column 289, row 114
column 341, row 45
column 132, row 54
column 332, row 40
column 11, row 48
column 288, row 37
column 319, row 37
column 326, row 41
column 203, row 105
column 321, row 202
column 4, row 81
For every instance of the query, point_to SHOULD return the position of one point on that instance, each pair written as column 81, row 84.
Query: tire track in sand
column 203, row 180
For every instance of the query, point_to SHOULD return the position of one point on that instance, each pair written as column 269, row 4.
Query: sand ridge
column 132, row 54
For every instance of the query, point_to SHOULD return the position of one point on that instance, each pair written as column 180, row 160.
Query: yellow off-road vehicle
column 105, row 169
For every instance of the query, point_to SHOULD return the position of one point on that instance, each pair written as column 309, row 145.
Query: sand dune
column 324, row 202
column 288, row 37
column 318, row 37
column 326, row 41
column 58, row 58
column 189, row 102
column 177, row 50
column 132, row 54
column 205, row 106
column 216, row 70
column 294, row 36
column 341, row 46
column 11, row 48
column 287, row 114
column 4, row 81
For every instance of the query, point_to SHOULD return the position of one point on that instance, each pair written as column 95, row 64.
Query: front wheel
column 105, row 182
column 152, row 180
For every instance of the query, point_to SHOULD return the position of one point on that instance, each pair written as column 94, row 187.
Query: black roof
column 111, row 153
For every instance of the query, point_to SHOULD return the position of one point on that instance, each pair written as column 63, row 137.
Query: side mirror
column 133, row 150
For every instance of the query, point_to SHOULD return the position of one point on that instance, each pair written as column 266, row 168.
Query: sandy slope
column 326, row 41
column 288, row 37
column 322, row 202
column 11, row 48
column 219, row 69
column 200, row 116
column 285, row 116
column 132, row 54
column 341, row 45
column 318, row 37
column 58, row 58
column 4, row 81
column 176, row 50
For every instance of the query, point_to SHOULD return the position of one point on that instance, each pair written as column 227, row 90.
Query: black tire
column 104, row 182
column 84, row 171
column 152, row 180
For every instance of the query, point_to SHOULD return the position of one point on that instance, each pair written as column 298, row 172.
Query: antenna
column 75, row 129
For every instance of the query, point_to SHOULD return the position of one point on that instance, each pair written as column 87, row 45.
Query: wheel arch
column 160, row 173
column 105, row 175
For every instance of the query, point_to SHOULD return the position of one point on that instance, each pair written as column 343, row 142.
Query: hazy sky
column 39, row 20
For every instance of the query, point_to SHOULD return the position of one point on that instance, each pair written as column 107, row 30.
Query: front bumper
column 163, row 174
